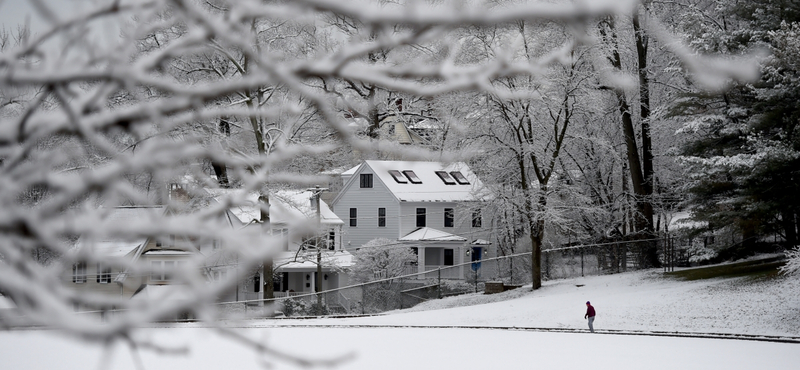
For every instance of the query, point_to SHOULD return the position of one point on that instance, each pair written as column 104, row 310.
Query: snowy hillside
column 642, row 300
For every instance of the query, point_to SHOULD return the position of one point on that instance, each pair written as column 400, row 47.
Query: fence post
column 582, row 262
column 511, row 269
column 401, row 293
column 439, row 284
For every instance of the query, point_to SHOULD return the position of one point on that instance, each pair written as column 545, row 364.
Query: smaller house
column 161, row 257
column 293, row 215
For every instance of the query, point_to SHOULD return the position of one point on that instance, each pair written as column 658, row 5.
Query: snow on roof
column 429, row 234
column 429, row 187
column 114, row 246
column 173, row 292
column 6, row 303
column 683, row 220
column 286, row 207
column 167, row 252
column 286, row 261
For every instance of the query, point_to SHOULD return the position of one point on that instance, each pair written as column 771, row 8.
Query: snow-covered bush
column 792, row 266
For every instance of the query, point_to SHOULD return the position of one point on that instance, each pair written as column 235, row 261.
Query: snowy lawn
column 630, row 301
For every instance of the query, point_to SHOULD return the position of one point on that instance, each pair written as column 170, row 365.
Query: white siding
column 367, row 201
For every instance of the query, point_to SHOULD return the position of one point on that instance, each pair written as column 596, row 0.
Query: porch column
column 420, row 259
column 463, row 258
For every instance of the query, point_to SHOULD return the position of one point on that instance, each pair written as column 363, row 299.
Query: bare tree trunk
column 646, row 195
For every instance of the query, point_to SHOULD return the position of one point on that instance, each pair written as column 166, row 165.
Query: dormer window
column 412, row 177
column 459, row 177
column 446, row 178
column 397, row 176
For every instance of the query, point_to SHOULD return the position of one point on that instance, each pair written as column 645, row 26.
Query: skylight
column 412, row 177
column 459, row 177
column 446, row 178
column 397, row 176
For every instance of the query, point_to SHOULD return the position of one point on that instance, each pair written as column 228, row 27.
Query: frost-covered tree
column 107, row 127
column 744, row 152
column 381, row 259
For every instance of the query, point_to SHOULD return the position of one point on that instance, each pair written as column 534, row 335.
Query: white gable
column 428, row 186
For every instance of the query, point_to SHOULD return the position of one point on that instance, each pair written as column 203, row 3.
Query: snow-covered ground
column 642, row 301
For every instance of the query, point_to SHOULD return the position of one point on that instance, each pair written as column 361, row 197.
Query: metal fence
column 512, row 270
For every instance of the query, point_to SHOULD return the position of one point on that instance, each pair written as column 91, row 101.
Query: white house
column 293, row 215
column 161, row 257
column 433, row 207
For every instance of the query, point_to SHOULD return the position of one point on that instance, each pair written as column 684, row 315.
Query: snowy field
column 640, row 301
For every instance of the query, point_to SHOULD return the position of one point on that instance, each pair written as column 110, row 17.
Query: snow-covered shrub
column 792, row 266
column 699, row 252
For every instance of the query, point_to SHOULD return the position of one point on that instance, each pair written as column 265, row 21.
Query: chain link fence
column 509, row 271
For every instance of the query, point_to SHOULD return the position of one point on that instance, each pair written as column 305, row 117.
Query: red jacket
column 589, row 310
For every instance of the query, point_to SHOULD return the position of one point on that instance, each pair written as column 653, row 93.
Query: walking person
column 590, row 315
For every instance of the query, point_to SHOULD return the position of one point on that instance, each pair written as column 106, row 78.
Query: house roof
column 170, row 292
column 287, row 261
column 110, row 245
column 429, row 234
column 430, row 187
column 286, row 207
column 683, row 220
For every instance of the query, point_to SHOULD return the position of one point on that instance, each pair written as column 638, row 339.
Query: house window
column 420, row 217
column 477, row 221
column 161, row 270
column 448, row 257
column 397, row 176
column 103, row 274
column 459, row 177
column 412, row 177
column 256, row 283
column 381, row 217
column 366, row 180
column 79, row 273
column 446, row 178
column 449, row 217
column 331, row 240
column 353, row 217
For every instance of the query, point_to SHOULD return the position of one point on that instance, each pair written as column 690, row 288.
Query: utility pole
column 318, row 285
column 269, row 288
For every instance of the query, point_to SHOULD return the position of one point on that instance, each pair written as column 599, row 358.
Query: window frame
column 79, row 273
column 459, row 177
column 103, row 274
column 449, row 217
column 162, row 273
column 398, row 177
column 477, row 219
column 412, row 176
column 381, row 217
column 445, row 177
column 365, row 181
column 353, row 217
column 422, row 217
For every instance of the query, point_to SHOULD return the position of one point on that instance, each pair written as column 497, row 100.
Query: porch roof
column 429, row 234
column 291, row 261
